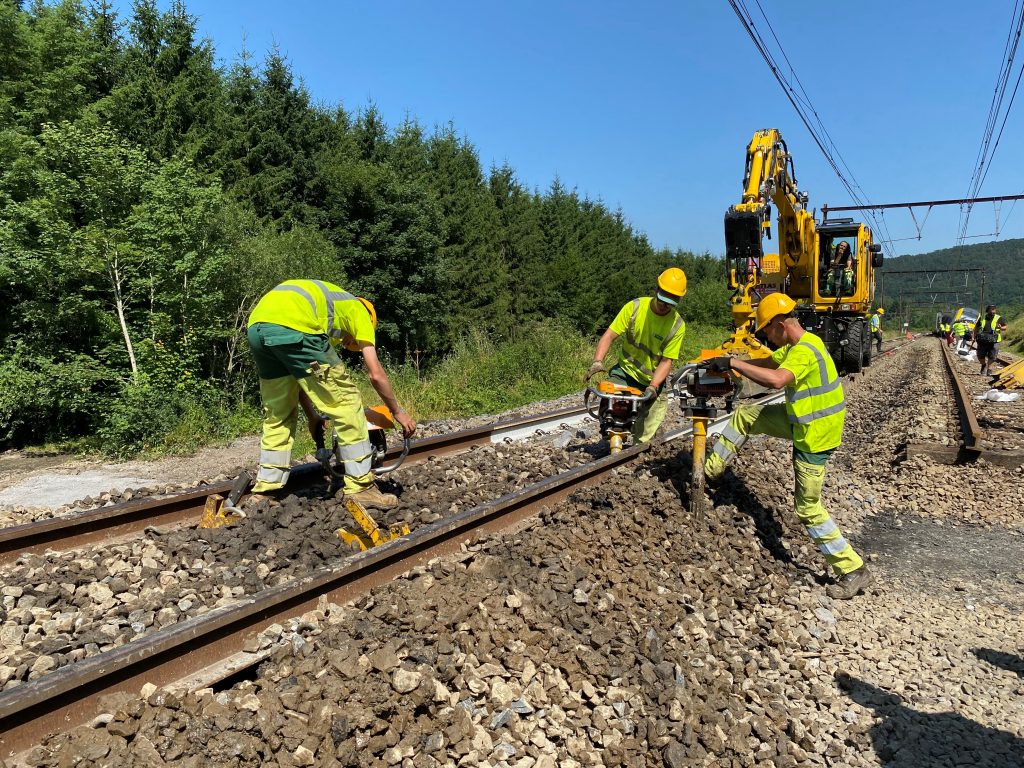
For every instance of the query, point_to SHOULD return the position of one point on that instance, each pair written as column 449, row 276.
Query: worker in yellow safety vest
column 652, row 335
column 987, row 335
column 959, row 329
column 293, row 331
column 876, row 327
column 812, row 418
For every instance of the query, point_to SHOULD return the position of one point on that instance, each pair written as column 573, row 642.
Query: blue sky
column 650, row 106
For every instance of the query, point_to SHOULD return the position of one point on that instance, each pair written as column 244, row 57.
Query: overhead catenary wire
column 801, row 102
column 988, row 147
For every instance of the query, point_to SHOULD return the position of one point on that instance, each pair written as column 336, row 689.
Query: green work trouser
column 285, row 359
column 773, row 420
column 650, row 414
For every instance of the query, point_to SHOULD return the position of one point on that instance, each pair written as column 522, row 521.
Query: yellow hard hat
column 771, row 306
column 673, row 282
column 352, row 345
column 880, row 311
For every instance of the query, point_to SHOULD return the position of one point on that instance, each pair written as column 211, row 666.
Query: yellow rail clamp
column 373, row 535
column 1011, row 377
column 215, row 515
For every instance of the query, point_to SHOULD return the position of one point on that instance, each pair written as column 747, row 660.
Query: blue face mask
column 666, row 299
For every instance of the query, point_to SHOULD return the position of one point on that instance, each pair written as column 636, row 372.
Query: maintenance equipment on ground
column 617, row 408
column 1011, row 377
column 695, row 386
column 833, row 300
column 220, row 511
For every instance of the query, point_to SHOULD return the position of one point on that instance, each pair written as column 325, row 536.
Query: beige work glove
column 596, row 367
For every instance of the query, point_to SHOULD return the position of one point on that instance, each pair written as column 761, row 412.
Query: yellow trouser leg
column 746, row 420
column 649, row 418
column 280, row 410
column 820, row 526
column 336, row 396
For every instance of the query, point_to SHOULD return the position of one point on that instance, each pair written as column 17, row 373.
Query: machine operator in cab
column 812, row 418
column 652, row 332
column 293, row 331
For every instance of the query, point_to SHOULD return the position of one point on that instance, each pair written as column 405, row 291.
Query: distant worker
column 959, row 329
column 988, row 334
column 293, row 331
column 812, row 418
column 876, row 328
column 840, row 271
column 652, row 333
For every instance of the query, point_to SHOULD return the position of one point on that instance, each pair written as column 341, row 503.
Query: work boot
column 372, row 496
column 850, row 584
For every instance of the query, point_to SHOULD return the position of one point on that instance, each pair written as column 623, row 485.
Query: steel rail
column 68, row 696
column 132, row 517
column 972, row 431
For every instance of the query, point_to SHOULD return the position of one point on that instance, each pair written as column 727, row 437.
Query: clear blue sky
column 649, row 106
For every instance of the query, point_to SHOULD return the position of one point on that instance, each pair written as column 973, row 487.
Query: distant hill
column 1002, row 260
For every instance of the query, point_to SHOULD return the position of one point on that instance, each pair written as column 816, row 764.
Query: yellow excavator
column 833, row 284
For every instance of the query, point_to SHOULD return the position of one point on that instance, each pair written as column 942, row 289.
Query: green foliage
column 149, row 197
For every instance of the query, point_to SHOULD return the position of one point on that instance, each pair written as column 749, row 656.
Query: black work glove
column 721, row 364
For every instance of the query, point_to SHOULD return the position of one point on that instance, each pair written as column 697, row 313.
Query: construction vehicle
column 220, row 511
column 833, row 302
column 617, row 408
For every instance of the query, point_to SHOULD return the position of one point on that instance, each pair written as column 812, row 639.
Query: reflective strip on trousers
column 819, row 532
column 272, row 475
column 723, row 452
column 276, row 458
column 358, row 458
column 734, row 436
column 834, row 547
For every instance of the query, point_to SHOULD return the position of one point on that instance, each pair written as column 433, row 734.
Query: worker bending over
column 293, row 331
column 876, row 328
column 652, row 334
column 812, row 417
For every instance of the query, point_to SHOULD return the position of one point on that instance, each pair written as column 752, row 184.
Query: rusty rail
column 132, row 517
column 969, row 427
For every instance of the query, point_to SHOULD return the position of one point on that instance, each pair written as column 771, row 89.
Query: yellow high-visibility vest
column 317, row 307
column 815, row 400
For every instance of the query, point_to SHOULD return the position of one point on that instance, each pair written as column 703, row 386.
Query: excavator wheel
column 853, row 351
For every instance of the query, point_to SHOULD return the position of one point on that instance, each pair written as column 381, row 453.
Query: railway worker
column 959, row 330
column 812, row 418
column 293, row 331
column 987, row 335
column 652, row 333
column 840, row 271
column 876, row 327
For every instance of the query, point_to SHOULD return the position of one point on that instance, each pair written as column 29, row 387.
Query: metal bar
column 133, row 516
column 928, row 271
column 921, row 204
column 968, row 421
column 66, row 697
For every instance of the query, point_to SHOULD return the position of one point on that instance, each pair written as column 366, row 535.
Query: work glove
column 318, row 430
column 650, row 393
column 721, row 364
column 595, row 368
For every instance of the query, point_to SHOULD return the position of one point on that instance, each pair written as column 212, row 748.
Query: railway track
column 132, row 517
column 206, row 648
column 69, row 695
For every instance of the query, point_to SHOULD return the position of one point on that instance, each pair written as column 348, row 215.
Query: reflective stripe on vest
column 817, row 408
column 632, row 341
column 325, row 323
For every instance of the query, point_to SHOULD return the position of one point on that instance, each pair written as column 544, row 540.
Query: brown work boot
column 850, row 584
column 372, row 496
